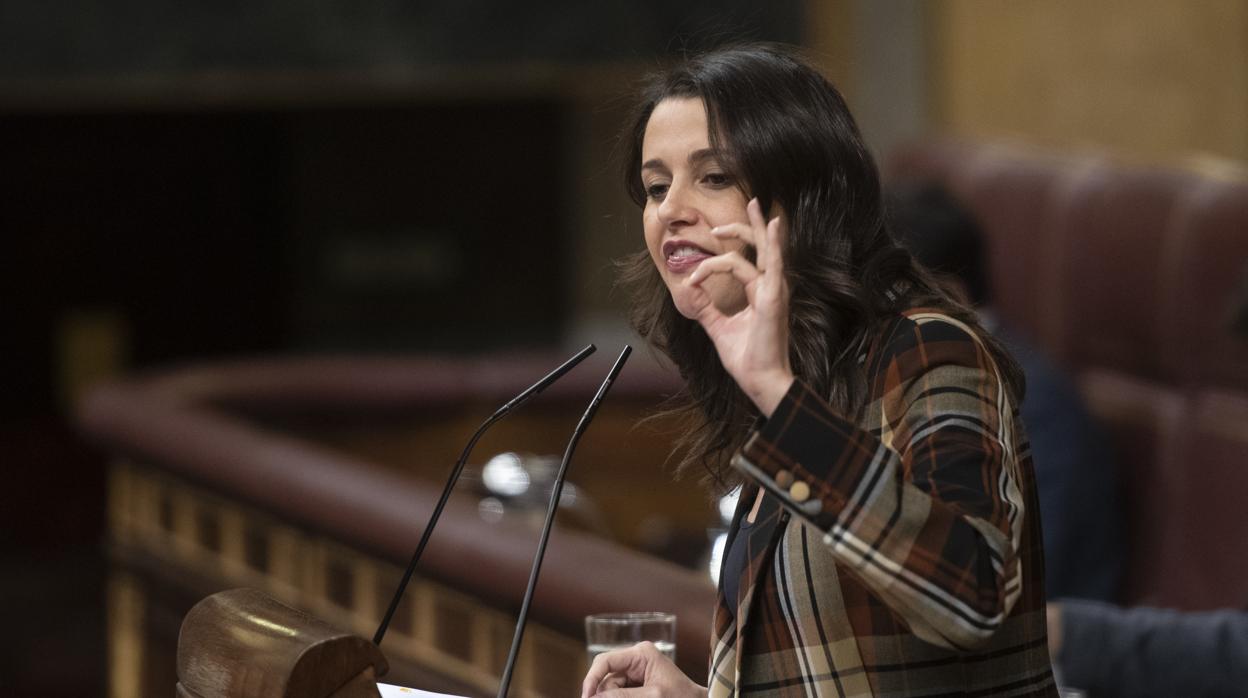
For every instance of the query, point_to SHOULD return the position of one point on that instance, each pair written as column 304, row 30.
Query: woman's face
column 688, row 192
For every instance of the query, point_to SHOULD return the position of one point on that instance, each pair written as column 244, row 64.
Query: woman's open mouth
column 682, row 256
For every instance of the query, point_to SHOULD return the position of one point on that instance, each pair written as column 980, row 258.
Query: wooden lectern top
column 243, row 644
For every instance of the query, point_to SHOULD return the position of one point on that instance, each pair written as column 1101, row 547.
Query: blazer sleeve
column 928, row 512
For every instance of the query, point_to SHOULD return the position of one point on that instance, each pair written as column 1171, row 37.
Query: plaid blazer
column 899, row 555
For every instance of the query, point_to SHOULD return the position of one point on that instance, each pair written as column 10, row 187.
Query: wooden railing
column 203, row 498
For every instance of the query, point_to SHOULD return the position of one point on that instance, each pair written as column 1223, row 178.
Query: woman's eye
column 656, row 191
column 717, row 179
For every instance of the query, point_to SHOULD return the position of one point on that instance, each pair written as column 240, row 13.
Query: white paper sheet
column 389, row 691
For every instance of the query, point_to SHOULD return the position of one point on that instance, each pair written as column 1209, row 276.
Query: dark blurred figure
column 1075, row 473
column 1140, row 652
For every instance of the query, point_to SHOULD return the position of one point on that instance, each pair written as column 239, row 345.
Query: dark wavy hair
column 786, row 136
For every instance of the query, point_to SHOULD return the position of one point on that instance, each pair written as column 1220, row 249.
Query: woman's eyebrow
column 695, row 158
column 700, row 156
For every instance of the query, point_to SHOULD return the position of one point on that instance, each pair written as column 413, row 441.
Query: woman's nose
column 677, row 210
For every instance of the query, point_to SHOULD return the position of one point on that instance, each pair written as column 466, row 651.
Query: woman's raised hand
column 640, row 670
column 753, row 344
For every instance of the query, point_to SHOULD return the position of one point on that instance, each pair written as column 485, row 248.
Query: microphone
column 550, row 518
column 459, row 468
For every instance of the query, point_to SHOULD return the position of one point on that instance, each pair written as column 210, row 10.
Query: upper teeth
column 685, row 252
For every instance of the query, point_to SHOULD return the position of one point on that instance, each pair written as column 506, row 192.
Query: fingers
column 640, row 671
column 727, row 283
column 754, row 210
column 756, row 232
column 737, row 231
column 774, row 248
column 731, row 263
column 612, row 681
column 773, row 232
column 629, row 663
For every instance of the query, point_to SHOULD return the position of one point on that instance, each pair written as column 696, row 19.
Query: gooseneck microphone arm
column 459, row 468
column 551, row 508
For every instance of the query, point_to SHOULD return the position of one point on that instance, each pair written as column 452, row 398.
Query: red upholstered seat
column 1011, row 192
column 1145, row 421
column 1210, row 267
column 1115, row 231
column 1206, row 565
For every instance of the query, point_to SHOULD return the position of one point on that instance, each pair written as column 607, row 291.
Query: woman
column 886, row 543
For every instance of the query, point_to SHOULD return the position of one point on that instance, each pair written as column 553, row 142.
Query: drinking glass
column 609, row 631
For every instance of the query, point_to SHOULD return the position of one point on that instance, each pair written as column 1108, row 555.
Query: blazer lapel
column 726, row 647
column 760, row 541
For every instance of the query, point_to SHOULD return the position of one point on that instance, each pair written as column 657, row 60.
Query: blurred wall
column 1150, row 79
column 79, row 38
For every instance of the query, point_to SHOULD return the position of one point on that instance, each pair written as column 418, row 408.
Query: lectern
column 243, row 644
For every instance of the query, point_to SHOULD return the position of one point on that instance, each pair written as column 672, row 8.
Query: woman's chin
column 685, row 307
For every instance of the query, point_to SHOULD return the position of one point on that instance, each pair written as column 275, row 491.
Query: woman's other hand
column 753, row 344
column 640, row 670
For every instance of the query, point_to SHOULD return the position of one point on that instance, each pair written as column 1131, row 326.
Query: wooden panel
column 1151, row 78
column 458, row 636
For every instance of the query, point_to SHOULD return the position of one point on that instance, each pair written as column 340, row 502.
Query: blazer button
column 784, row 478
column 800, row 491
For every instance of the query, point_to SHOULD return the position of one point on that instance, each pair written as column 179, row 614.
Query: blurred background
column 348, row 229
